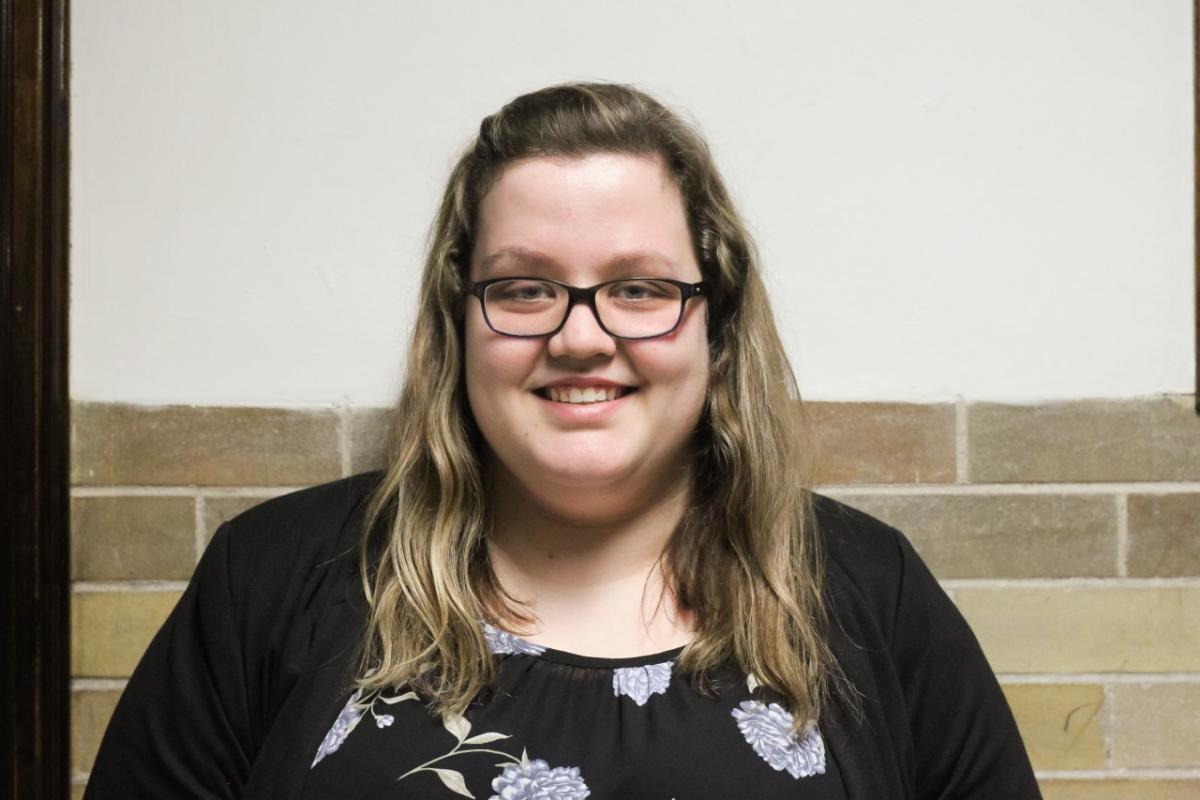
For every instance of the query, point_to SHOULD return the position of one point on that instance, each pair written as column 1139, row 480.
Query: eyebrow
column 532, row 258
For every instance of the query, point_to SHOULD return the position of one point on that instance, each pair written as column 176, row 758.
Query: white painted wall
column 988, row 200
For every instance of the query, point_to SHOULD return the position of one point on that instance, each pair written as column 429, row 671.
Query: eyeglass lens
column 633, row 308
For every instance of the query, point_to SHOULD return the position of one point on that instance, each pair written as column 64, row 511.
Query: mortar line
column 1149, row 487
column 1107, row 678
column 182, row 491
column 1124, row 773
column 106, row 587
column 261, row 490
column 1070, row 583
column 98, row 684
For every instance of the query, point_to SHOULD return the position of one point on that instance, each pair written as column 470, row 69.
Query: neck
column 599, row 567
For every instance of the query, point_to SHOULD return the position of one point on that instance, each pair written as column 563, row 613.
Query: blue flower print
column 639, row 683
column 352, row 713
column 767, row 728
column 504, row 643
column 536, row 780
column 346, row 721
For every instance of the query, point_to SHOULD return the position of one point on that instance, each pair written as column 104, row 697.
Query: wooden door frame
column 34, row 399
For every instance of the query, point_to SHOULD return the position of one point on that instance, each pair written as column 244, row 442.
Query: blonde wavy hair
column 745, row 558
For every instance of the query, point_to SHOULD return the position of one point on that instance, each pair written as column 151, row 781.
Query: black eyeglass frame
column 579, row 294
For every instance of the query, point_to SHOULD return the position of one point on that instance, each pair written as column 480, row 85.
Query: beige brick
column 1086, row 629
column 1004, row 536
column 180, row 445
column 1060, row 723
column 1164, row 535
column 90, row 712
column 1120, row 789
column 1087, row 440
column 222, row 508
column 370, row 436
column 883, row 442
column 1156, row 725
column 110, row 630
column 132, row 538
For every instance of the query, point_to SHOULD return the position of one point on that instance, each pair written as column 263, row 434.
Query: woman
column 593, row 567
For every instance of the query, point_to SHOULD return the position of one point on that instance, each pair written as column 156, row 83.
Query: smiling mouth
column 583, row 394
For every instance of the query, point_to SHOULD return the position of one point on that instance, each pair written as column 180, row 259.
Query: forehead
column 513, row 260
column 583, row 212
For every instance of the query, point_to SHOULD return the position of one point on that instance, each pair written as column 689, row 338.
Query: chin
column 585, row 472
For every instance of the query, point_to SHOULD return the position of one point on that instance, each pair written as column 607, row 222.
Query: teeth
column 590, row 394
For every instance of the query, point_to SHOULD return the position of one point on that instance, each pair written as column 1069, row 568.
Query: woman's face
column 583, row 221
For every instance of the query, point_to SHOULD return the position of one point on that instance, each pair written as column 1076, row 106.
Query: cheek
column 679, row 363
column 495, row 366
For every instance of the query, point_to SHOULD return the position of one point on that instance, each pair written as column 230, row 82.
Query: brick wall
column 1068, row 533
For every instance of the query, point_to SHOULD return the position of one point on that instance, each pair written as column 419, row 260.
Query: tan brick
column 1156, row 725
column 1004, row 536
column 1060, row 723
column 110, row 630
column 1086, row 440
column 132, row 538
column 1086, row 629
column 1164, row 535
column 1117, row 789
column 180, row 445
column 883, row 442
column 90, row 712
column 370, row 436
column 222, row 508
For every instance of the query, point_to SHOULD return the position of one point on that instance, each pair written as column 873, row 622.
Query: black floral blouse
column 245, row 693
column 566, row 727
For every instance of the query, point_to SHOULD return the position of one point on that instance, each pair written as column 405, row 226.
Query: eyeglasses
column 630, row 308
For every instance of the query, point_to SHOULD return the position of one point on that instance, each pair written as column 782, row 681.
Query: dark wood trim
column 34, row 425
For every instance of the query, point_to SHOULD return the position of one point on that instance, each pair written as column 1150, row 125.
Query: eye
column 642, row 291
column 522, row 291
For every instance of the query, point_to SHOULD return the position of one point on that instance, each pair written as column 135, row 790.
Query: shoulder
column 296, row 531
column 311, row 509
column 871, row 568
column 861, row 548
column 936, row 704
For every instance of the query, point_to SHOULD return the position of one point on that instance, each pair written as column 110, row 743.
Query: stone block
column 110, row 630
column 1156, row 725
column 1085, row 629
column 1120, row 789
column 370, row 438
column 90, row 712
column 1060, row 723
column 132, row 538
column 1154, row 439
column 1004, row 536
column 113, row 444
column 883, row 443
column 1164, row 535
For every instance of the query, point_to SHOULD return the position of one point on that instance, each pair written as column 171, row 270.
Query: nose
column 581, row 336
